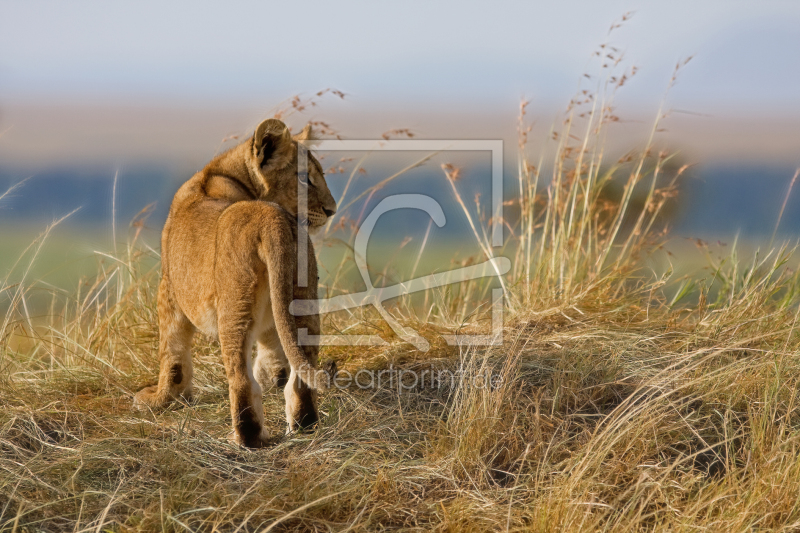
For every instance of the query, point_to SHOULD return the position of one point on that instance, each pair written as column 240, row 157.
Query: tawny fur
column 229, row 269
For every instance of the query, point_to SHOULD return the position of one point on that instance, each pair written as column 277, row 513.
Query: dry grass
column 620, row 406
column 605, row 418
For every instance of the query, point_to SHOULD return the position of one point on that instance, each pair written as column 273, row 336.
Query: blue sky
column 435, row 53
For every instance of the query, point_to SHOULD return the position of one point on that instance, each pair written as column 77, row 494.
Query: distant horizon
column 37, row 136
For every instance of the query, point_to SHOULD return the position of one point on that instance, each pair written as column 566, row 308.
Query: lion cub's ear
column 306, row 135
column 272, row 145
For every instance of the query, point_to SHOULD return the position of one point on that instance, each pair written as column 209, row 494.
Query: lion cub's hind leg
column 236, row 339
column 271, row 366
column 175, row 356
column 238, row 329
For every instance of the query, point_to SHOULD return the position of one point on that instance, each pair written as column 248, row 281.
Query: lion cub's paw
column 146, row 399
column 149, row 399
column 263, row 440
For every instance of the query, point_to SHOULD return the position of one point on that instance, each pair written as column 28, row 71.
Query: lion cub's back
column 188, row 253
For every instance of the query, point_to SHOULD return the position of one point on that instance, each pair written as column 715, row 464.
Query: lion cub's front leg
column 175, row 355
column 271, row 366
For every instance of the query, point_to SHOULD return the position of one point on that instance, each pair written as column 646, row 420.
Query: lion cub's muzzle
column 318, row 217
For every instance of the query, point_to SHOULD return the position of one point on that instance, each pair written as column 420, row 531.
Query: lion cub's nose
column 329, row 212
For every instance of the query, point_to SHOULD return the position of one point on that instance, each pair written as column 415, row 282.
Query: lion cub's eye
column 303, row 177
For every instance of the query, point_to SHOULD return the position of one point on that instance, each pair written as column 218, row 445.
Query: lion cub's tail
column 281, row 271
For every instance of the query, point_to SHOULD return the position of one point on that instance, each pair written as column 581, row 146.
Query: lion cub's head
column 273, row 161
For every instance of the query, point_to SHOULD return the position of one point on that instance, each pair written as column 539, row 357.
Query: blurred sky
column 466, row 57
column 748, row 53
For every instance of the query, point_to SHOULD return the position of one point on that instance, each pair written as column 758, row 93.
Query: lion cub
column 229, row 269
